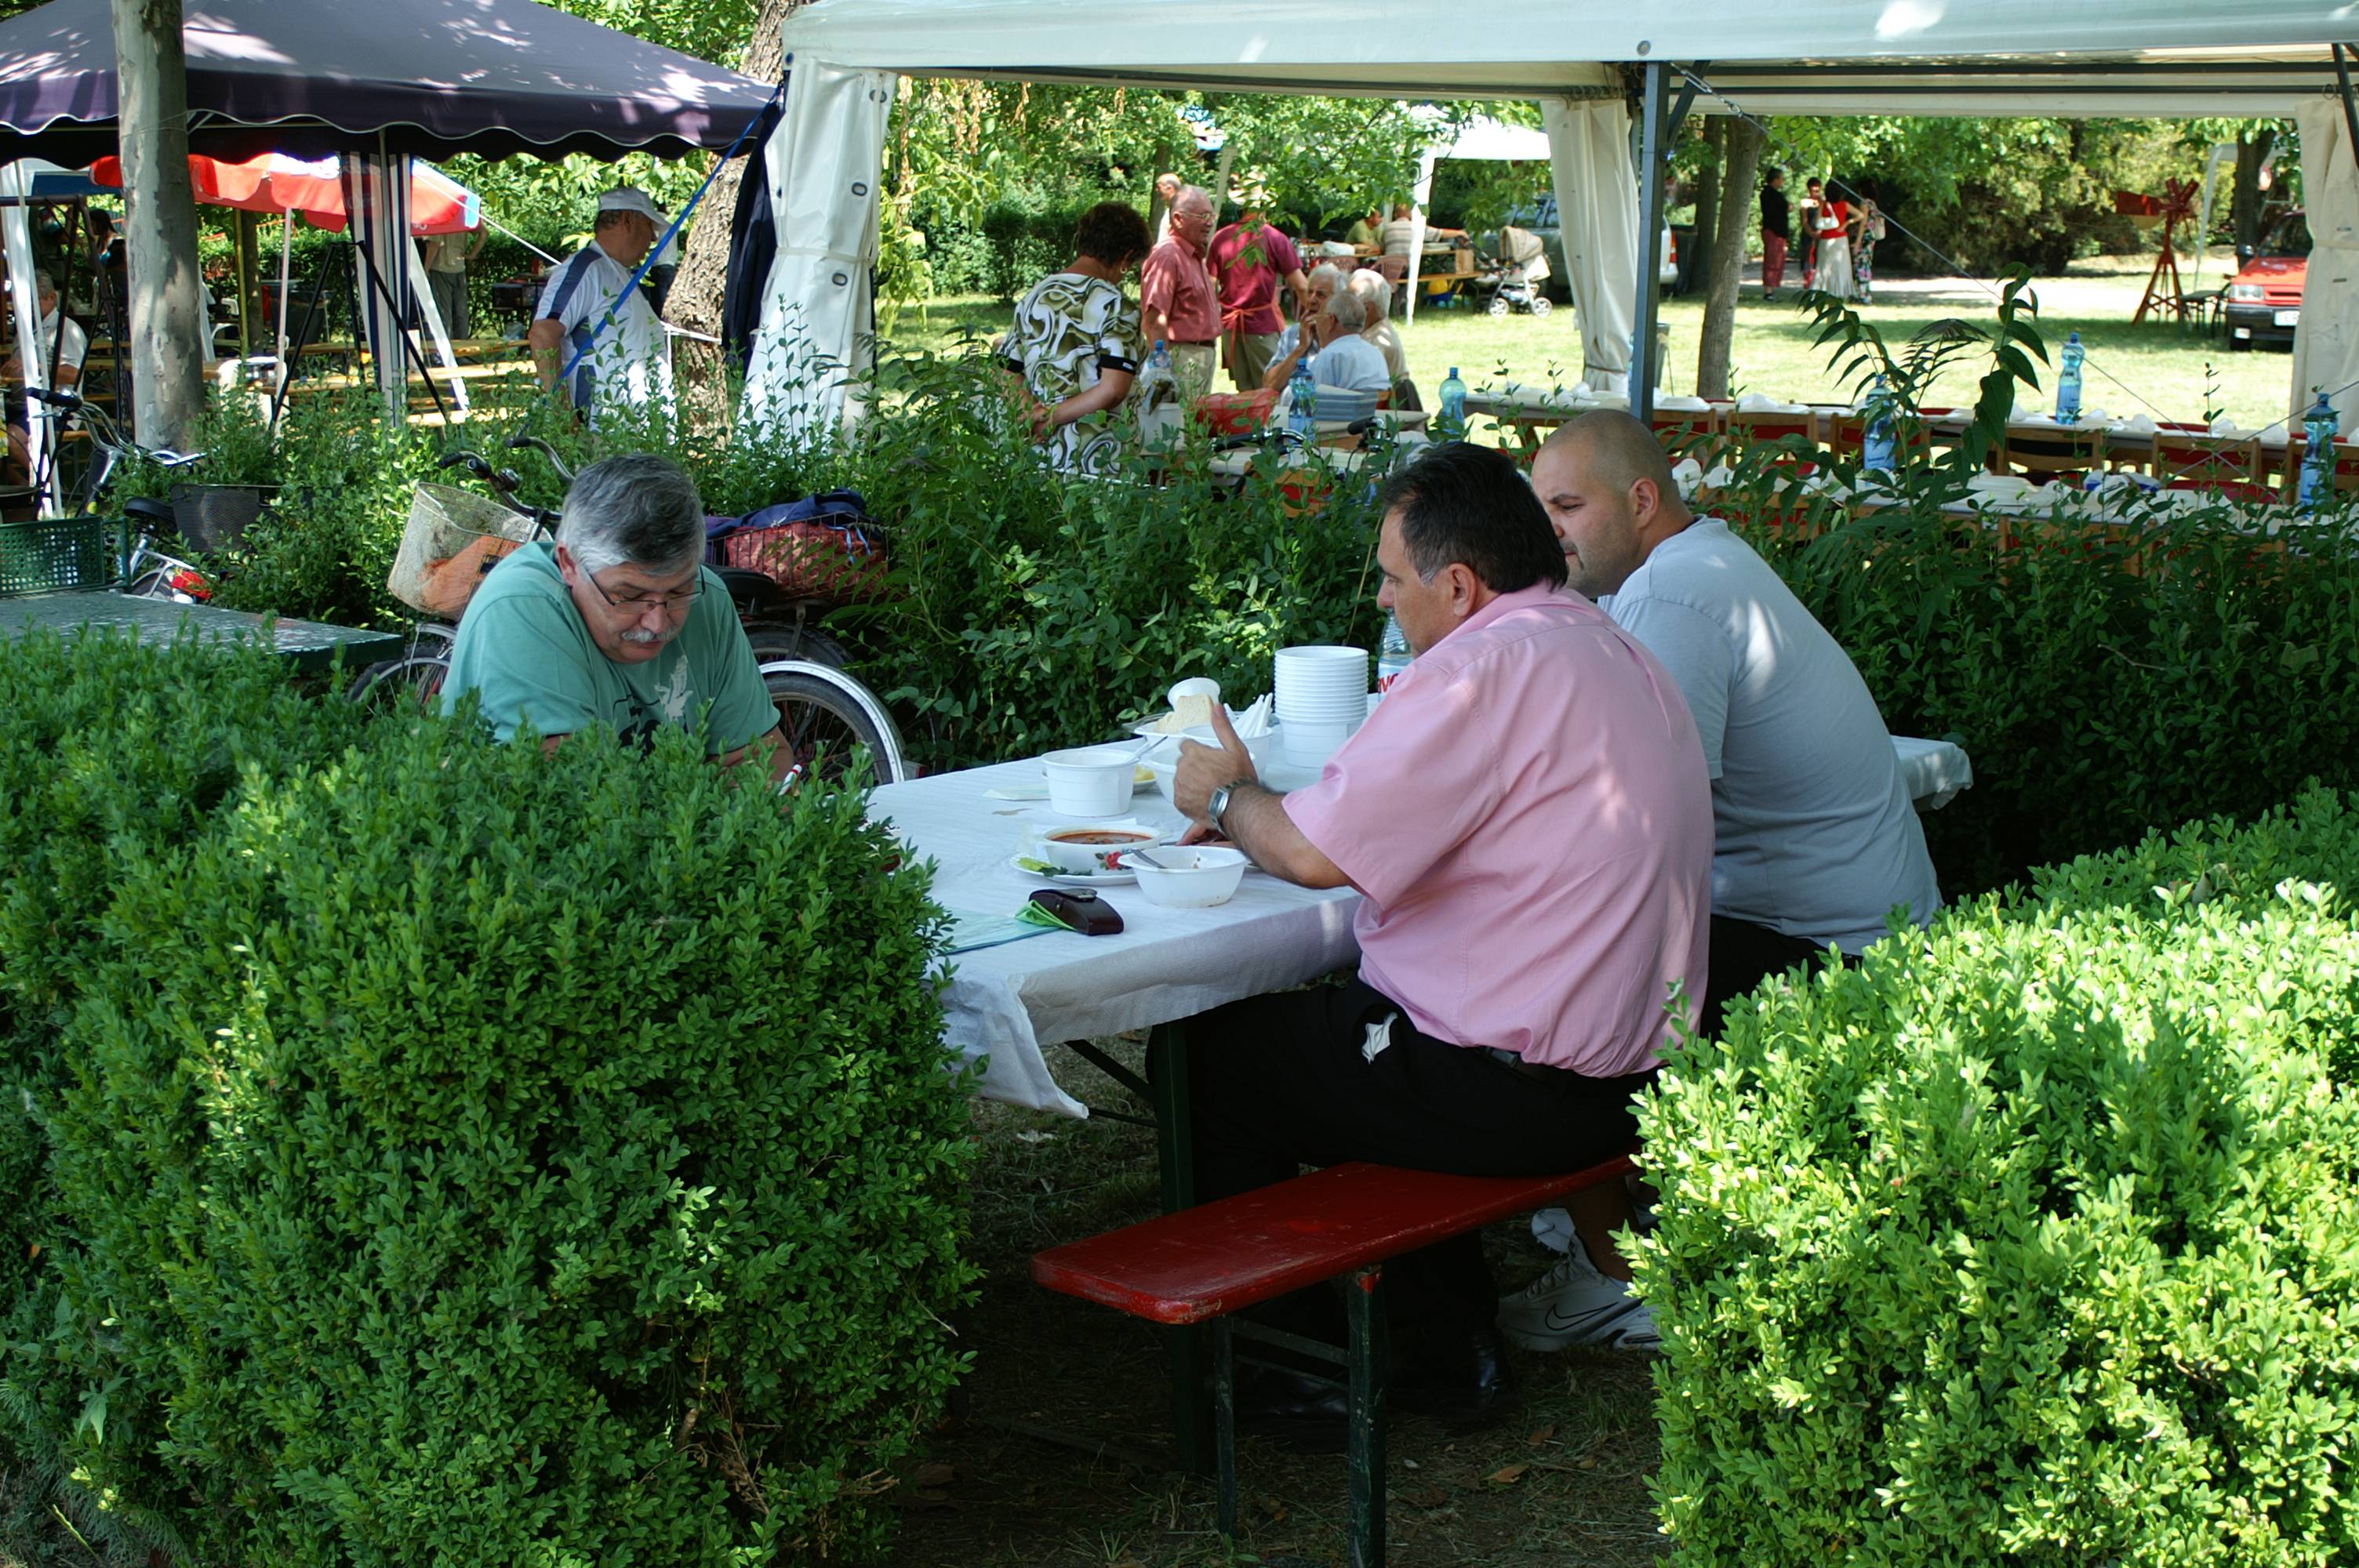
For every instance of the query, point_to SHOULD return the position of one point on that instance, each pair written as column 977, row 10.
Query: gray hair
column 1186, row 192
column 1329, row 271
column 1375, row 290
column 638, row 510
column 43, row 283
column 1350, row 313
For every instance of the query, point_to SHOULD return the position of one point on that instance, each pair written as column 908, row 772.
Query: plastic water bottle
column 1392, row 654
column 1878, row 451
column 1157, row 394
column 2068, row 380
column 2319, row 426
column 1449, row 425
column 1300, row 418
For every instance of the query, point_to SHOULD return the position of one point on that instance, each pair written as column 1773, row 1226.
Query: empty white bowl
column 1090, row 781
column 1195, row 876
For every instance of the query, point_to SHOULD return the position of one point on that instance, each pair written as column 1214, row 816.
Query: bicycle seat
column 152, row 512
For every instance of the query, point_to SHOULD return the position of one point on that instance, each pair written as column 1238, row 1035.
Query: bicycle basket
column 823, row 547
column 54, row 553
column 452, row 541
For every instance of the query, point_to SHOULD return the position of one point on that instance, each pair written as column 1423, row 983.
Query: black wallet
column 1079, row 909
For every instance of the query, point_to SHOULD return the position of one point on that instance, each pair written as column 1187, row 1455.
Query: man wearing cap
column 593, row 320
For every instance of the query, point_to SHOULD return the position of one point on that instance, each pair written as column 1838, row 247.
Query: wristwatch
column 1219, row 802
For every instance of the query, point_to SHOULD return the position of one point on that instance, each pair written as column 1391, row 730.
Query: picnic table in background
column 311, row 646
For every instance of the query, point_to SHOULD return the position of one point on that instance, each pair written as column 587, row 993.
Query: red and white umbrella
column 315, row 187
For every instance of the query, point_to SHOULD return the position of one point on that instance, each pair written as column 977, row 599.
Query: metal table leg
column 1364, row 1438
column 1167, row 1047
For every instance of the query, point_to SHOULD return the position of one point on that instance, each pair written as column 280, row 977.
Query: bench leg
column 1224, row 1424
column 1167, row 1047
column 1364, row 1452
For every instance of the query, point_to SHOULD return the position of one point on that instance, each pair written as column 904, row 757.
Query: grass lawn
column 2153, row 367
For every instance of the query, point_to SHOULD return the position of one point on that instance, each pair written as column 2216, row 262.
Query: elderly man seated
column 1338, row 355
column 1526, row 819
column 618, row 623
column 1377, row 295
column 1816, row 844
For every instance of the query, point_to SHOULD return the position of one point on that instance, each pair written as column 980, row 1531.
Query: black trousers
column 1744, row 955
column 1279, row 1082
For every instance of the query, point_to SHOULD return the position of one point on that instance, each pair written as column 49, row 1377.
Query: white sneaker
column 1573, row 1303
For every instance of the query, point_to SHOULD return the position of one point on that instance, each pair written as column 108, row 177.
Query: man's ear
column 1646, row 498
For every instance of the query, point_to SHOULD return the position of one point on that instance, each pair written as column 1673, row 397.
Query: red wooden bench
column 1202, row 1264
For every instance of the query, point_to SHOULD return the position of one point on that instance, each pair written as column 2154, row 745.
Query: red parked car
column 2264, row 300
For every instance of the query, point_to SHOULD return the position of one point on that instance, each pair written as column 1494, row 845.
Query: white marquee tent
column 1585, row 61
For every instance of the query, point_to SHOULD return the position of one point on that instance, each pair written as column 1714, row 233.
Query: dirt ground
column 1564, row 1483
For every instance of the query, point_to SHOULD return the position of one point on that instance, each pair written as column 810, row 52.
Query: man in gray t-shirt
column 1815, row 840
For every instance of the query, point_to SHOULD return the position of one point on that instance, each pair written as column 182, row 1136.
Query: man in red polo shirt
column 1249, row 257
column 1178, row 302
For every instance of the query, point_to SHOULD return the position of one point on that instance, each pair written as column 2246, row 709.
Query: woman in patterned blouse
column 1076, row 341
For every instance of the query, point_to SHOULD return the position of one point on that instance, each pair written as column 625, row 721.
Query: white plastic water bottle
column 1449, row 424
column 1157, row 394
column 2320, row 427
column 1392, row 654
column 2068, row 380
column 1301, row 418
column 1878, row 451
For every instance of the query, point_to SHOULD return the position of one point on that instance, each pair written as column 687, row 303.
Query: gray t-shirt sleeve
column 1696, row 650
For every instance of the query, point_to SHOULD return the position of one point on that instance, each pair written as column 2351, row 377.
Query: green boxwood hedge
column 2031, row 1239
column 458, row 1155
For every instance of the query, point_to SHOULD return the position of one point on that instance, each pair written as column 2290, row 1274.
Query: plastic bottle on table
column 1392, row 654
column 2320, row 427
column 1878, row 451
column 1449, row 424
column 1301, row 417
column 2068, row 380
column 1157, row 396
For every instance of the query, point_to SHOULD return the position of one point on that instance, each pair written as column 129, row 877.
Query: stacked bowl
column 1323, row 696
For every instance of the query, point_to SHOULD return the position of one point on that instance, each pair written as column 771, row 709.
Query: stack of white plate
column 1323, row 696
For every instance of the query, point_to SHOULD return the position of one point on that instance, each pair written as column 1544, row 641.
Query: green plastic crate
column 52, row 554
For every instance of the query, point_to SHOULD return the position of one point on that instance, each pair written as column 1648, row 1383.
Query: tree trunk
column 1693, row 275
column 1741, row 162
column 694, row 301
column 167, row 325
column 2244, row 206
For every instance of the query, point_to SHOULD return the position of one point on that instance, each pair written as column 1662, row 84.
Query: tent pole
column 1652, row 147
column 285, row 257
column 1420, row 194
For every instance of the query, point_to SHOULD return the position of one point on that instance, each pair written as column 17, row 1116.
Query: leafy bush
column 2028, row 1239
column 453, row 1152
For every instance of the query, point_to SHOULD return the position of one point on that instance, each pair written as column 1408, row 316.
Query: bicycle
column 825, row 714
column 148, row 571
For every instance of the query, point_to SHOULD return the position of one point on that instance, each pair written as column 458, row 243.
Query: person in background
column 1179, row 305
column 1376, row 294
column 1075, row 344
column 1866, row 228
column 1400, row 230
column 1337, row 354
column 1367, row 233
column 1250, row 258
column 447, row 256
column 665, row 267
column 1813, row 197
column 1526, row 821
column 1166, row 191
column 1835, row 248
column 1319, row 287
column 62, row 345
column 1776, row 233
column 590, row 315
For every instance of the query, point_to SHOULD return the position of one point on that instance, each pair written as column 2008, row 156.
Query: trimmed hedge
column 2030, row 1239
column 467, row 1155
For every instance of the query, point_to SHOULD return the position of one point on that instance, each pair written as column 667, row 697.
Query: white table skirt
column 1005, row 1003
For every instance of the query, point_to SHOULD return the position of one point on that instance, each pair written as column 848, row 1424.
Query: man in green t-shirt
column 618, row 623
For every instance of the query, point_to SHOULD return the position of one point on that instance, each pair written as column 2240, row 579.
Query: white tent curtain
column 1597, row 214
column 376, row 194
column 429, row 313
column 816, row 316
column 16, row 226
column 1420, row 196
column 2326, row 340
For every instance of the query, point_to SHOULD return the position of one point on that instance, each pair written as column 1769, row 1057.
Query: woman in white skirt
column 1833, row 220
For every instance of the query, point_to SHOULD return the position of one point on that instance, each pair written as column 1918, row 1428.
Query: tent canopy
column 1489, row 141
column 1842, row 57
column 433, row 77
column 274, row 183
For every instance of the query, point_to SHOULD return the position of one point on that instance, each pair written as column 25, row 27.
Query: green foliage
column 436, row 1150
column 2027, row 1241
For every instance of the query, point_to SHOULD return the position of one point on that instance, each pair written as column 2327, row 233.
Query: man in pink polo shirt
column 1528, row 821
column 1178, row 301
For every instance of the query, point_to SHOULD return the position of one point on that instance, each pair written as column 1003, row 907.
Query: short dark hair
column 1470, row 505
column 1773, row 174
column 1113, row 232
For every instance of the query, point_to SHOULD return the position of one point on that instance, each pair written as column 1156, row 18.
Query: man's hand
column 1204, row 769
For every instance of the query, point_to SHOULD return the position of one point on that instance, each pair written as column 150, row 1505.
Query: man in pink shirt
column 1178, row 301
column 1528, row 821
column 1250, row 258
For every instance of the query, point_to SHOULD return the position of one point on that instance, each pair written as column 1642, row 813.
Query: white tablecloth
column 1005, row 1002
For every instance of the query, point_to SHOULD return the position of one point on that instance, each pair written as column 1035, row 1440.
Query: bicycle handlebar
column 519, row 443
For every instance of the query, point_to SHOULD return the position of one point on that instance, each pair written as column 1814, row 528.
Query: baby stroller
column 1513, row 282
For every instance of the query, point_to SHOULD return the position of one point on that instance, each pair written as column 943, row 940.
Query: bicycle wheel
column 776, row 640
column 414, row 682
column 825, row 714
